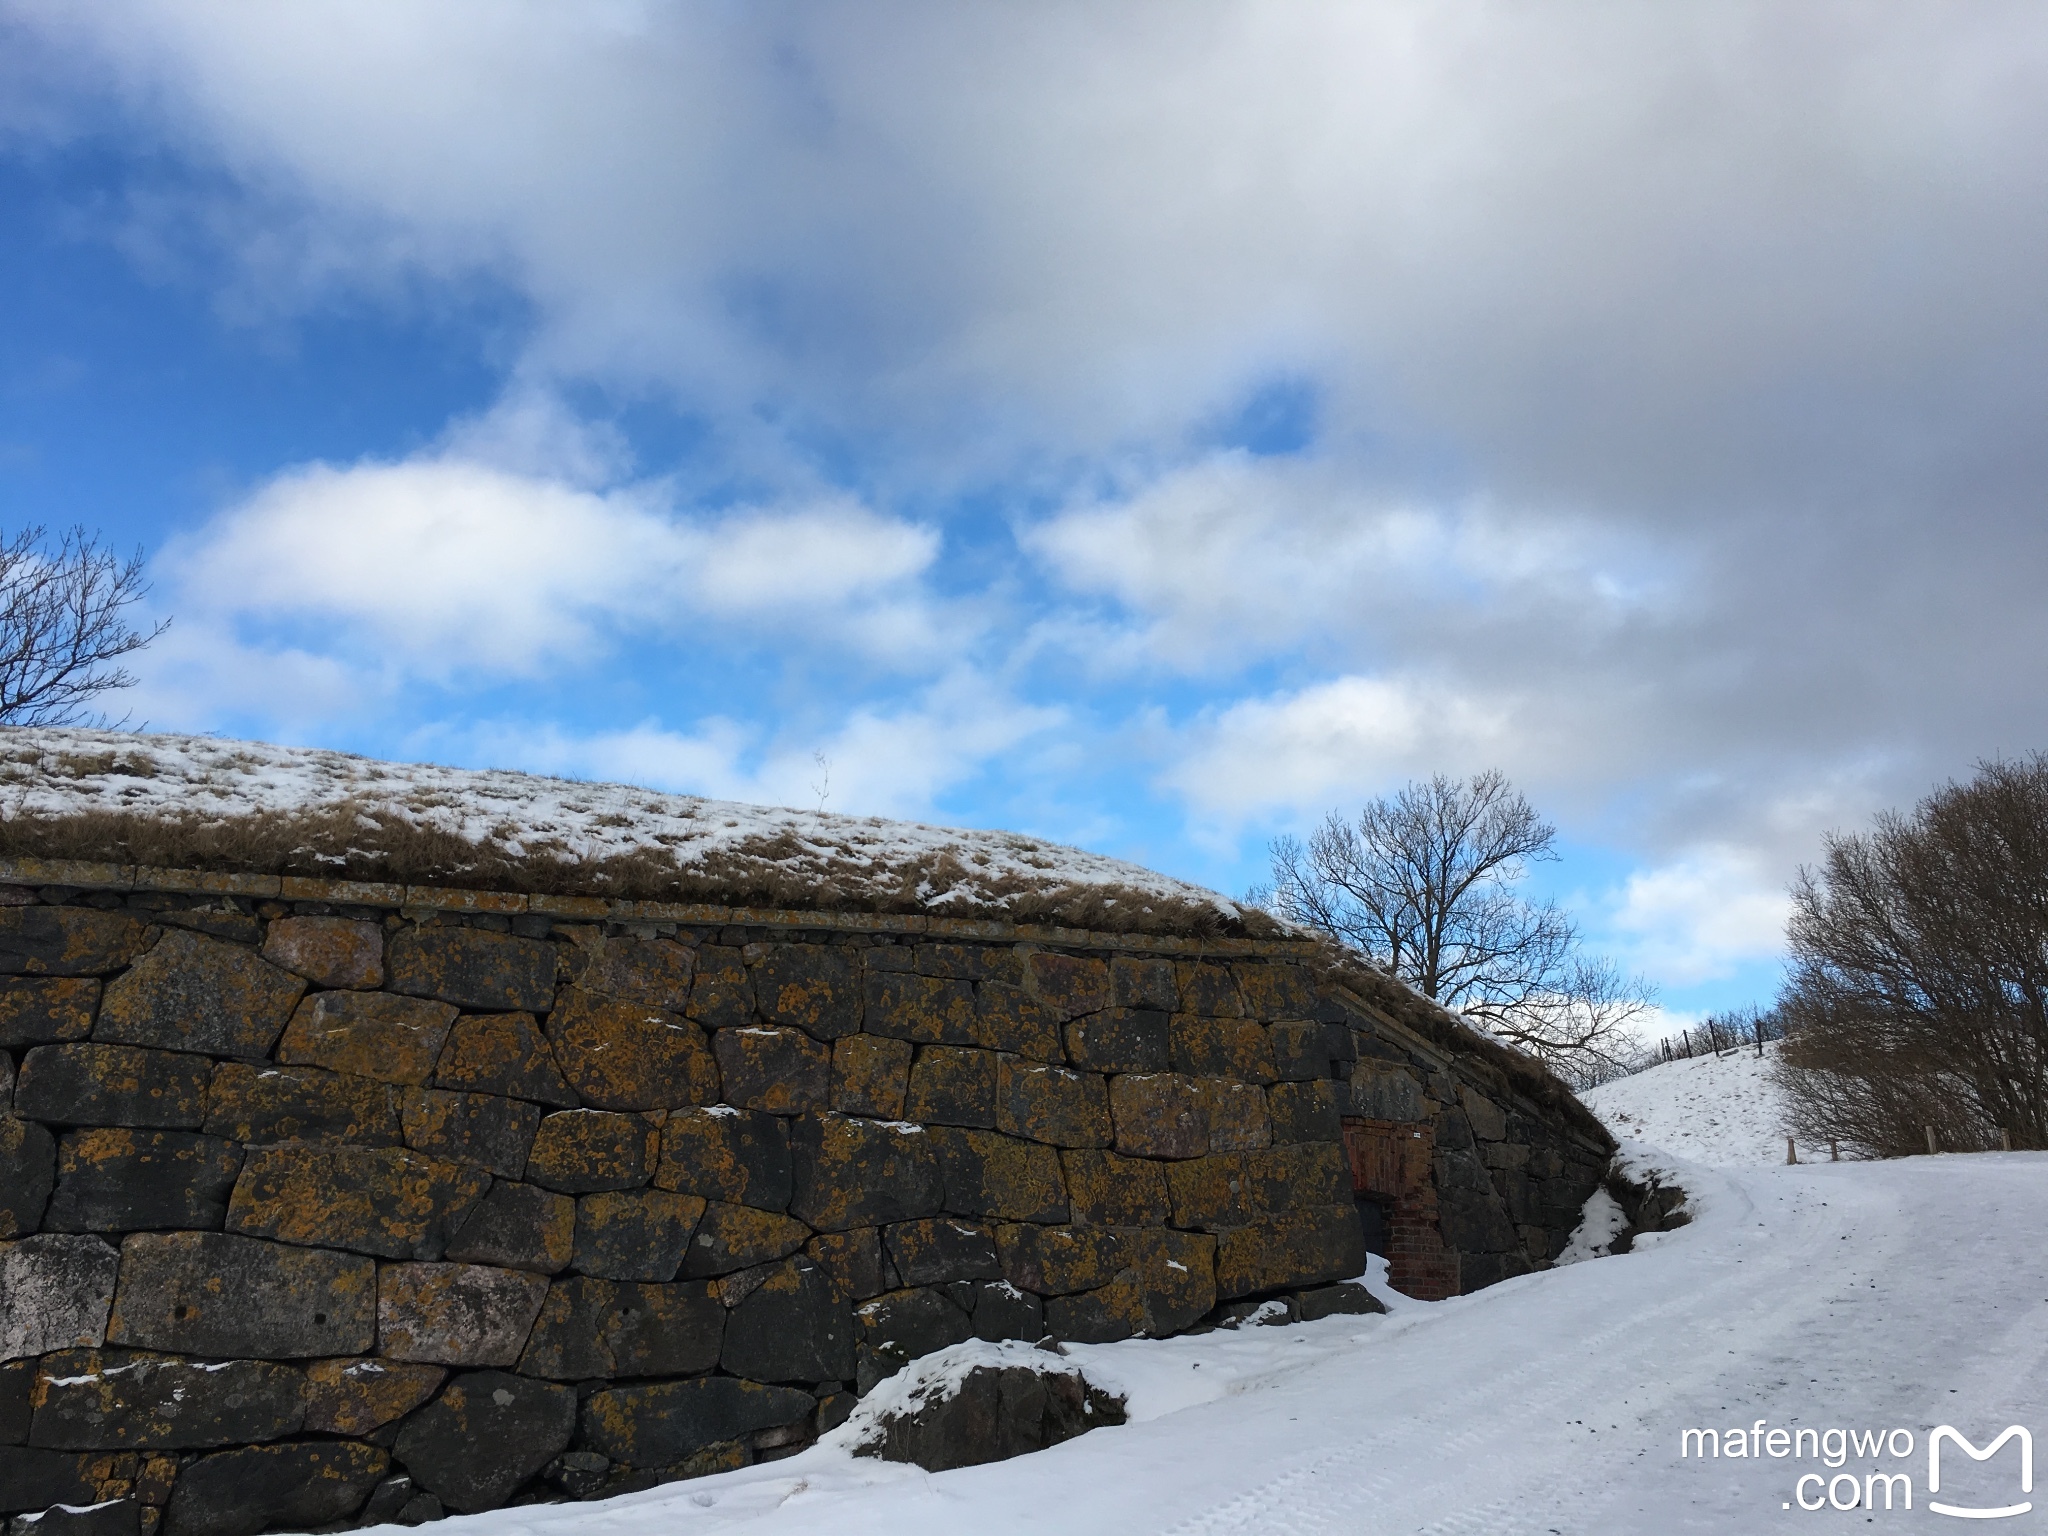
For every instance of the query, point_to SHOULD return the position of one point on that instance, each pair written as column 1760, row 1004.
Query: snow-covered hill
column 1719, row 1110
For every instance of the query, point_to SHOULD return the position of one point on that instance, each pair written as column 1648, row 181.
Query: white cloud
column 1701, row 916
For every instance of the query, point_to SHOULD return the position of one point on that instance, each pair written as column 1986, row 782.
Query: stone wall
column 329, row 1203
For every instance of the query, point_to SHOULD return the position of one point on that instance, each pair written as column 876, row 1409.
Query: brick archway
column 1392, row 1166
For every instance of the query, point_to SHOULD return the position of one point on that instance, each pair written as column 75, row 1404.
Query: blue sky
column 1148, row 427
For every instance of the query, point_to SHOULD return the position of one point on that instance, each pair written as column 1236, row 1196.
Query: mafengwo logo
column 1884, row 1489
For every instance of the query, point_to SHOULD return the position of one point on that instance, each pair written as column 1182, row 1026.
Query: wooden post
column 2004, row 1139
column 1931, row 1148
column 1834, row 1151
column 1791, row 1152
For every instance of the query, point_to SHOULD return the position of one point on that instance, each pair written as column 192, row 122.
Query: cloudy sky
column 1148, row 425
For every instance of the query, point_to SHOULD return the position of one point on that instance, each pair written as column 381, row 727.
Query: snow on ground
column 1853, row 1296
column 1711, row 1109
column 54, row 771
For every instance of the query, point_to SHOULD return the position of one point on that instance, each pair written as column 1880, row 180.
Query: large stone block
column 942, row 1249
column 373, row 1034
column 590, row 1328
column 27, row 1171
column 111, row 1179
column 927, row 1010
column 995, row 1412
column 1286, row 1178
column 1051, row 1261
column 1300, row 1050
column 1238, row 1121
column 273, row 1487
column 1148, row 984
column 68, row 941
column 477, row 1130
column 518, row 1226
column 861, row 1173
column 486, row 1434
column 639, row 1234
column 793, row 1326
column 1009, row 1018
column 722, row 994
column 1001, row 1311
column 1206, row 987
column 356, row 1396
column 456, row 1314
column 211, row 1293
column 192, row 993
column 1488, row 1123
column 45, row 1012
column 1306, row 1247
column 34, row 1479
column 82, row 1083
column 117, row 1399
column 1475, row 1221
column 16, row 1377
column 1213, row 1192
column 394, row 1204
column 1120, row 1040
column 327, row 951
column 504, row 1054
column 777, row 1071
column 1052, row 1104
column 473, row 968
column 970, row 962
column 1236, row 1049
column 654, row 973
column 1380, row 1092
column 1107, row 1190
column 582, row 1151
column 662, row 1423
column 1305, row 1111
column 853, row 1260
column 903, row 1326
column 261, row 1104
column 952, row 1085
column 621, row 1055
column 1068, row 984
column 1167, row 1284
column 731, row 1237
column 1276, row 989
column 989, row 1174
column 811, row 987
column 1159, row 1114
column 870, row 1074
column 722, row 1153
column 54, row 1293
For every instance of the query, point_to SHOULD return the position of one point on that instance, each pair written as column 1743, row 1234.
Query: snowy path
column 1858, row 1295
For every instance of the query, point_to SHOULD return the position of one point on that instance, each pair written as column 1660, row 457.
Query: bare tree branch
column 63, row 625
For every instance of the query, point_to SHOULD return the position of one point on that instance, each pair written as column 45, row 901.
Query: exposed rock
column 900, row 1326
column 191, row 993
column 67, row 941
column 792, row 1327
column 591, row 1328
column 952, row 1085
column 473, row 969
column 119, row 1399
column 639, row 1234
column 355, row 1396
column 110, row 1517
column 925, row 1009
column 296, row 1487
column 1120, row 1040
column 1236, row 1049
column 970, row 962
column 731, row 1237
column 504, row 1054
column 940, row 1249
column 486, row 1434
column 624, row 1055
column 806, row 986
column 582, row 1151
column 989, row 1174
column 1052, row 1104
column 722, row 994
column 382, row 1201
column 54, row 1293
column 662, row 1423
column 44, row 1012
column 1050, row 1261
column 249, row 1103
column 779, row 1071
column 722, row 1153
column 1298, row 1248
column 456, row 1314
column 478, row 1130
column 1135, row 983
column 1067, row 983
column 1001, row 1311
column 1108, row 1190
column 1213, row 1192
column 1008, row 1018
column 84, row 1083
column 518, row 1226
column 373, row 1034
column 1277, row 989
column 1158, row 1115
column 34, row 1479
column 991, row 1413
column 870, row 1074
column 1207, row 988
column 112, row 1179
column 654, row 973
column 1350, row 1299
column 1304, row 1111
column 1300, row 1051
column 28, row 1157
column 861, row 1173
column 210, row 1293
column 327, row 951
column 853, row 1260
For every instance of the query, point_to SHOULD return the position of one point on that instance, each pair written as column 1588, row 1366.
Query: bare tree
column 1423, row 883
column 1918, row 995
column 64, row 624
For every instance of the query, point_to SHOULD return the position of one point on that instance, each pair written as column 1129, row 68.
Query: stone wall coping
column 86, row 875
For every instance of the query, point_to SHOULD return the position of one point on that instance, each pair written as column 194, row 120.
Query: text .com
column 1851, row 1490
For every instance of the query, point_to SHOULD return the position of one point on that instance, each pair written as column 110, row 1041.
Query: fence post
column 1834, row 1151
column 2004, row 1139
column 1791, row 1152
column 1930, row 1140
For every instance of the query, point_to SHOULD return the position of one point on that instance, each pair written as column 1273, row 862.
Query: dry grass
column 352, row 841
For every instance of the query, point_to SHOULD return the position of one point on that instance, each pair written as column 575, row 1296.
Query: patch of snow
column 1718, row 1110
column 1600, row 1223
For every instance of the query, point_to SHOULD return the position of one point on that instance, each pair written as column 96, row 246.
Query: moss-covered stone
column 28, row 1156
column 861, row 1173
column 970, row 962
column 1135, row 983
column 731, row 1237
column 212, row 1293
column 504, row 1054
column 1306, row 1247
column 1120, row 1040
column 901, row 1325
column 655, row 973
column 117, row 1399
column 1301, row 1050
column 517, row 1226
column 1167, row 1283
column 485, row 1435
column 792, row 1327
column 776, row 1071
column 1158, row 1114
column 870, row 1075
column 44, row 1012
column 456, row 1314
column 303, row 1486
column 473, row 968
column 68, row 941
column 942, row 1249
column 624, row 1055
column 327, row 951
column 853, row 1260
column 113, row 1179
column 192, row 993
column 1214, row 1192
column 583, row 1151
column 371, row 1034
column 722, row 1153
column 1202, row 1046
column 1108, row 1190
column 638, row 1234
column 32, row 1479
column 590, row 1328
column 1208, row 988
column 1304, row 1111
column 1069, row 984
column 1052, row 1261
column 989, row 1174
column 1052, row 1104
column 85, row 1083
column 251, row 1103
column 811, row 987
column 663, row 1422
column 952, row 1085
column 375, row 1200
column 1275, row 989
column 478, row 1130
column 1011, row 1019
column 721, row 994
column 1238, row 1121
column 354, row 1396
column 926, row 1010
column 1286, row 1178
